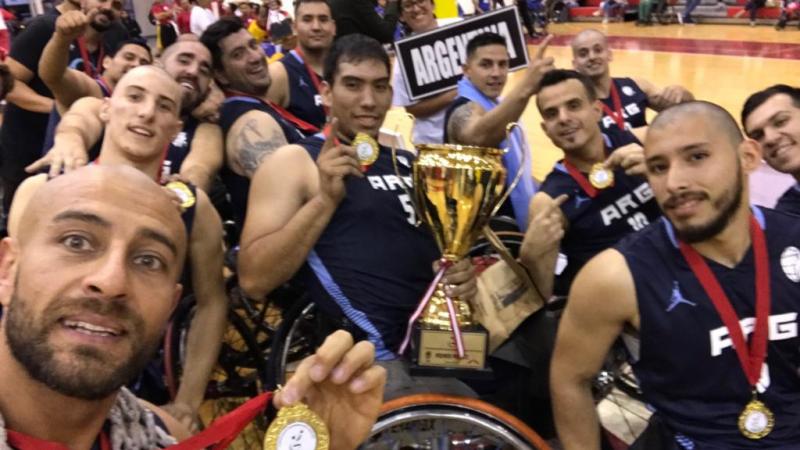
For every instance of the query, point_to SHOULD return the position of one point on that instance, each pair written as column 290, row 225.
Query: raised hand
column 539, row 65
column 335, row 163
column 72, row 24
column 546, row 228
column 342, row 384
column 629, row 158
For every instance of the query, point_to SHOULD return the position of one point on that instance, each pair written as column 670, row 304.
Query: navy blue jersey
column 304, row 100
column 372, row 263
column 179, row 148
column 790, row 201
column 55, row 119
column 687, row 367
column 595, row 224
column 634, row 105
column 233, row 108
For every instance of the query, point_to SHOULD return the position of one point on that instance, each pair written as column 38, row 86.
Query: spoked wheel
column 297, row 337
column 620, row 404
column 441, row 422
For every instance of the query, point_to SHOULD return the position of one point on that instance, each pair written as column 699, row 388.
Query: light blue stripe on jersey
column 355, row 316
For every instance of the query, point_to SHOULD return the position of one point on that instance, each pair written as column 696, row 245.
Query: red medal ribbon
column 751, row 359
column 219, row 435
column 312, row 74
column 21, row 441
column 102, row 82
column 301, row 124
column 580, row 178
column 617, row 113
column 88, row 67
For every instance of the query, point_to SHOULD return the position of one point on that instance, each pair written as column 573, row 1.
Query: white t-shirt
column 200, row 19
column 427, row 130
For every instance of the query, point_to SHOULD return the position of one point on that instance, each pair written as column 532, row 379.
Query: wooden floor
column 718, row 63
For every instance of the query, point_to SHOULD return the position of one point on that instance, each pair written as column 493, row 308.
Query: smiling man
column 713, row 292
column 772, row 118
column 478, row 116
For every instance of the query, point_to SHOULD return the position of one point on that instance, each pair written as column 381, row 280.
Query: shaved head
column 146, row 74
column 118, row 183
column 714, row 115
column 584, row 35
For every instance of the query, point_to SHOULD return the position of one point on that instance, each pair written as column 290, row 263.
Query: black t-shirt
column 23, row 131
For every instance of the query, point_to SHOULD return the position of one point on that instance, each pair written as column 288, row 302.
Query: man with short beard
column 88, row 286
column 295, row 78
column 30, row 103
column 195, row 153
column 772, row 118
column 694, row 285
column 253, row 126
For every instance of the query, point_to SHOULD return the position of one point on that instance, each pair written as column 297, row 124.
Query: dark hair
column 558, row 76
column 353, row 48
column 132, row 41
column 482, row 40
column 297, row 4
column 215, row 33
column 719, row 118
column 760, row 97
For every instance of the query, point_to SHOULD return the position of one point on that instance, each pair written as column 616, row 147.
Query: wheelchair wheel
column 296, row 337
column 440, row 422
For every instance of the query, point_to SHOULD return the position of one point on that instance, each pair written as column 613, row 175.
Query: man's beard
column 90, row 374
column 103, row 26
column 727, row 205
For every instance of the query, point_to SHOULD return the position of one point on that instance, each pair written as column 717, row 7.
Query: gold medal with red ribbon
column 366, row 150
column 756, row 420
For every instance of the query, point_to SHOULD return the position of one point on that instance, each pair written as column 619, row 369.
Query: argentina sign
column 431, row 61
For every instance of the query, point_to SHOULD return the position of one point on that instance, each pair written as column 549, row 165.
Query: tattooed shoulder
column 458, row 121
column 254, row 143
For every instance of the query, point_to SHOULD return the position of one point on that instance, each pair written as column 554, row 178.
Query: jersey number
column 638, row 221
column 405, row 201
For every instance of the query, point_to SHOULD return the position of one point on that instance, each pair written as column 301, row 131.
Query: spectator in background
column 201, row 17
column 752, row 7
column 789, row 9
column 613, row 9
column 184, row 17
column 163, row 13
column 687, row 12
column 417, row 16
column 258, row 28
column 246, row 12
column 645, row 7
column 130, row 23
column 359, row 16
column 275, row 14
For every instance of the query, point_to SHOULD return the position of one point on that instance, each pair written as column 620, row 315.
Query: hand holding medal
column 335, row 163
column 331, row 401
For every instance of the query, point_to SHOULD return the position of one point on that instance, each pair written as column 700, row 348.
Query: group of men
column 623, row 230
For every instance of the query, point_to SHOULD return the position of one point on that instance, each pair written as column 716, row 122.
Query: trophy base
column 434, row 353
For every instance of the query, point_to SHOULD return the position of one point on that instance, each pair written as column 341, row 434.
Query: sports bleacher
column 709, row 11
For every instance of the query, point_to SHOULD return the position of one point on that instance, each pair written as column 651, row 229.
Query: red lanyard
column 102, row 82
column 327, row 131
column 580, row 178
column 88, row 67
column 301, row 124
column 753, row 358
column 21, row 441
column 312, row 74
column 617, row 113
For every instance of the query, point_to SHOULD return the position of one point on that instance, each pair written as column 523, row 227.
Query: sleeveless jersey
column 789, row 202
column 237, row 185
column 304, row 100
column 55, row 118
column 372, row 264
column 687, row 367
column 595, row 224
column 634, row 106
column 179, row 147
column 456, row 103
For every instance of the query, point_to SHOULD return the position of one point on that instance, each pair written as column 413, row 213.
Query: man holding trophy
column 337, row 207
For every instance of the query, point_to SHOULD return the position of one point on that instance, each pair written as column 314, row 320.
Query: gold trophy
column 456, row 190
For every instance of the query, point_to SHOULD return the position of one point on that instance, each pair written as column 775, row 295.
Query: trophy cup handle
column 520, row 171
column 411, row 198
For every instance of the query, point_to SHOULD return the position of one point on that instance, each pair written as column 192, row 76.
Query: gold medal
column 297, row 428
column 756, row 420
column 600, row 176
column 183, row 192
column 366, row 149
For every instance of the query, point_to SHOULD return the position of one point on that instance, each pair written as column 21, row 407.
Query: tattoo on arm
column 458, row 121
column 254, row 145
